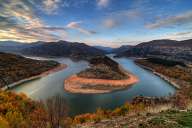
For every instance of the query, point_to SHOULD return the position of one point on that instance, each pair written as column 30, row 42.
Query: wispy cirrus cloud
column 18, row 18
column 180, row 19
column 179, row 35
column 51, row 6
column 103, row 3
column 110, row 23
column 76, row 26
column 19, row 22
column 115, row 19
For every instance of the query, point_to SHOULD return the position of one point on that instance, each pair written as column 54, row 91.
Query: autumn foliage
column 18, row 111
column 107, row 114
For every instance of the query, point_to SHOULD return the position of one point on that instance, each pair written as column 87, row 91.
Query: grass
column 185, row 119
column 169, row 119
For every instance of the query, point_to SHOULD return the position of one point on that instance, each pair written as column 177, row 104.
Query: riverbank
column 178, row 76
column 76, row 84
column 176, row 108
column 43, row 74
column 167, row 79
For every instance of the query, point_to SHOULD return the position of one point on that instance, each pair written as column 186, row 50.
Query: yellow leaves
column 3, row 123
column 18, row 111
column 15, row 110
column 103, row 114
column 15, row 119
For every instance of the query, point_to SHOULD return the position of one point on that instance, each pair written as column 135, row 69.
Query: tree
column 38, row 118
column 57, row 111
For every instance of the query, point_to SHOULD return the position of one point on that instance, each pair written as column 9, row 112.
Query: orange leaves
column 15, row 110
column 4, row 123
column 106, row 114
column 38, row 118
column 18, row 111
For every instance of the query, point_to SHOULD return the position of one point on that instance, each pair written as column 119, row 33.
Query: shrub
column 157, row 121
column 185, row 119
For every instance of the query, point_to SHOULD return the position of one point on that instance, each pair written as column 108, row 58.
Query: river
column 148, row 85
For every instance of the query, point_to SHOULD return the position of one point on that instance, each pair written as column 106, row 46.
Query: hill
column 52, row 49
column 118, row 50
column 103, row 68
column 14, row 68
column 169, row 49
column 122, row 49
column 107, row 50
column 63, row 49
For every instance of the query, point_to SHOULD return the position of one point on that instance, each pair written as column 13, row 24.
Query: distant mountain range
column 109, row 50
column 122, row 49
column 52, row 49
column 168, row 49
column 16, row 47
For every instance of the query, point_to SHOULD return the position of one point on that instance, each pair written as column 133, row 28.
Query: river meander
column 148, row 85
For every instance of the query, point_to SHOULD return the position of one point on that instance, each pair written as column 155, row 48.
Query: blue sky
column 95, row 22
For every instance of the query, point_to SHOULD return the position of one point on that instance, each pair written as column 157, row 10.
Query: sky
column 95, row 22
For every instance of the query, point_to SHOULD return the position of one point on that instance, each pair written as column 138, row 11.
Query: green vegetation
column 135, row 118
column 165, row 62
column 14, row 68
column 167, row 119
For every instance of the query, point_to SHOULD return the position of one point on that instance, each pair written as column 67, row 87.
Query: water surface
column 149, row 85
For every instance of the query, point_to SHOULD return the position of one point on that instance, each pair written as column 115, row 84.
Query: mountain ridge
column 169, row 49
column 53, row 49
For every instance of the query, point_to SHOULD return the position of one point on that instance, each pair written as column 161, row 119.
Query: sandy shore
column 75, row 84
column 56, row 69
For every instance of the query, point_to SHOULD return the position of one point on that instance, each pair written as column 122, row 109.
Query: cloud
column 110, row 23
column 115, row 19
column 19, row 22
column 102, row 3
column 179, row 35
column 76, row 26
column 182, row 33
column 181, row 19
column 50, row 6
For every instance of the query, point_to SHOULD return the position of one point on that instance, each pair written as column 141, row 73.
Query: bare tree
column 57, row 111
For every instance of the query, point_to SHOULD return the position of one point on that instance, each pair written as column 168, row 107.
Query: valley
column 95, row 64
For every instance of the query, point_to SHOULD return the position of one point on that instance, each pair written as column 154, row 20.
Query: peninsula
column 103, row 76
column 16, row 69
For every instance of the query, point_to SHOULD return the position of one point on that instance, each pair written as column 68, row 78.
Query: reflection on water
column 149, row 85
